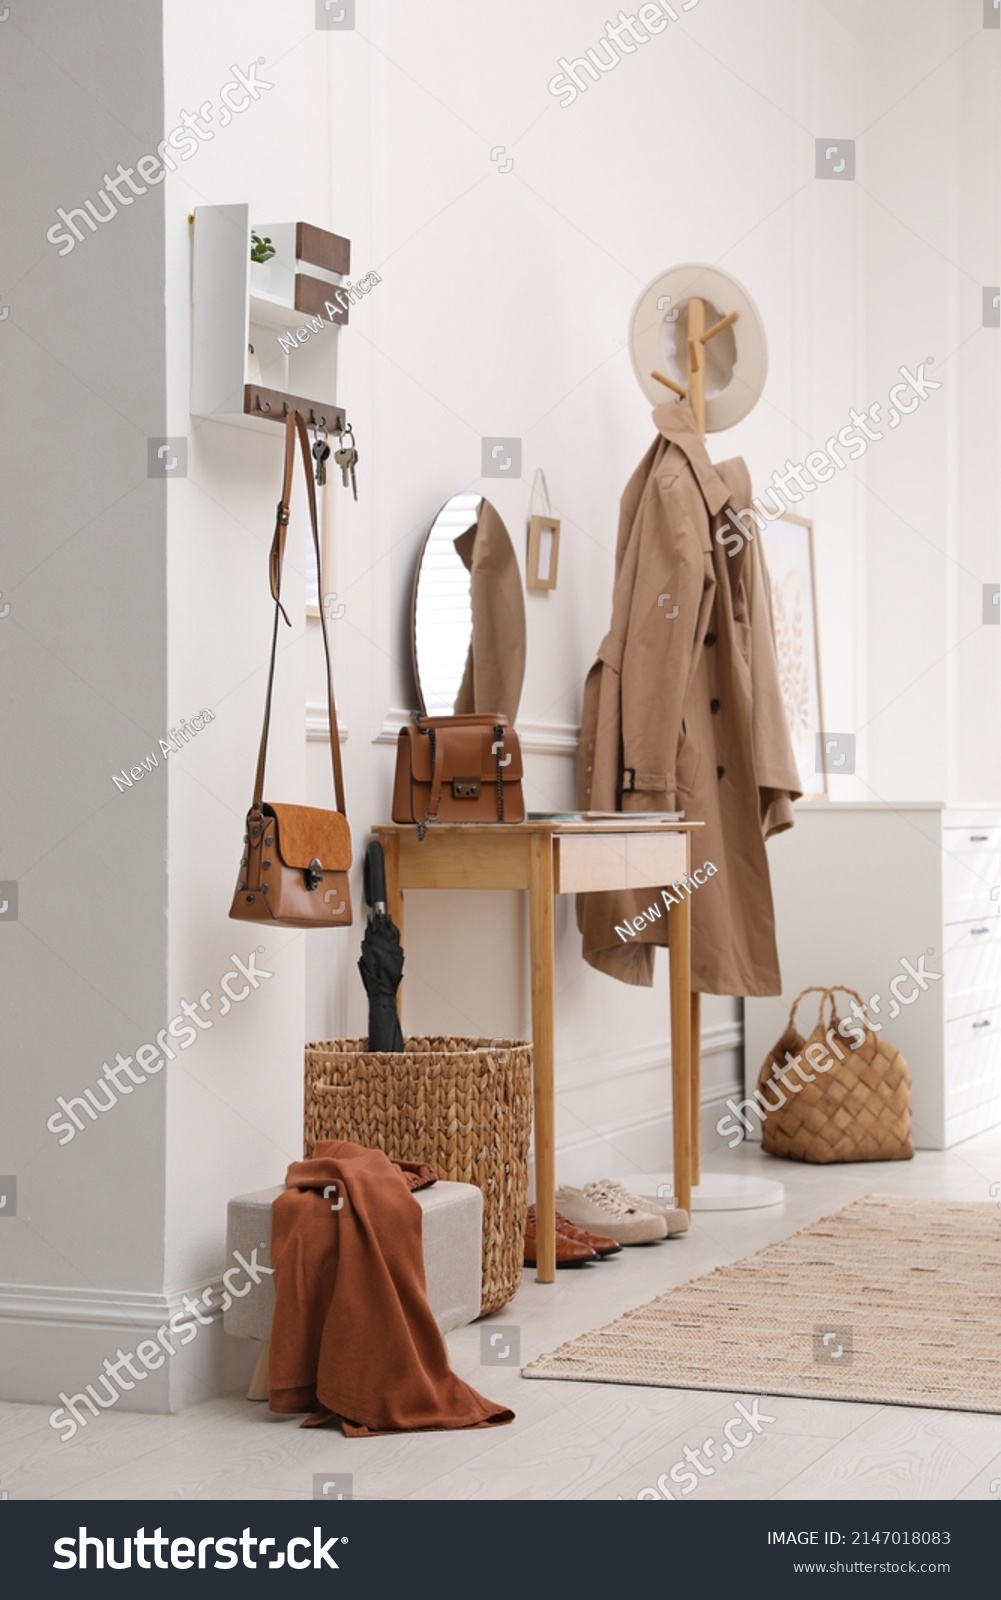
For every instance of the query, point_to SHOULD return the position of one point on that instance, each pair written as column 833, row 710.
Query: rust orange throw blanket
column 353, row 1335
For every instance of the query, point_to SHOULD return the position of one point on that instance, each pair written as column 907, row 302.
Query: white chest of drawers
column 861, row 888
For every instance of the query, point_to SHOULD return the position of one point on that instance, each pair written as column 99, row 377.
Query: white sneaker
column 611, row 1215
column 676, row 1219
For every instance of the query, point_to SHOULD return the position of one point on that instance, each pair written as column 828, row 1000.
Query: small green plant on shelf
column 261, row 250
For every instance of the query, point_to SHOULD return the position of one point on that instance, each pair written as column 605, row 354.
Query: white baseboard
column 642, row 1145
column 603, row 1143
column 721, row 1039
column 55, row 1340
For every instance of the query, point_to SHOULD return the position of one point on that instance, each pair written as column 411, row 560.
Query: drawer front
column 971, row 870
column 972, row 965
column 972, row 1062
column 585, row 862
column 975, row 819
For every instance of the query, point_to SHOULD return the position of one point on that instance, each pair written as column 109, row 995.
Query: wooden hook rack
column 274, row 405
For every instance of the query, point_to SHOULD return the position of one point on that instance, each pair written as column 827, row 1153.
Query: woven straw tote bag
column 836, row 1095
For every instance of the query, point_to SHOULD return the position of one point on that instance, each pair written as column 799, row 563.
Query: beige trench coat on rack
column 683, row 711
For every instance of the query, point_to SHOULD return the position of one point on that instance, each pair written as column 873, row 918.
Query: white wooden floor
column 569, row 1441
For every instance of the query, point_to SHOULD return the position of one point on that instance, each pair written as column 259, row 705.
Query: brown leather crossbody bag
column 458, row 769
column 294, row 870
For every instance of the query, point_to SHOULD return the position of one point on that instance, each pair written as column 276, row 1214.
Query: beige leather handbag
column 295, row 868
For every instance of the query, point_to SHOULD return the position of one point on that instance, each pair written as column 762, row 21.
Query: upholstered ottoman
column 453, row 1246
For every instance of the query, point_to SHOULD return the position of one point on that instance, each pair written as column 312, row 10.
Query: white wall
column 83, row 970
column 503, row 310
column 135, row 603
column 929, row 171
column 234, row 1114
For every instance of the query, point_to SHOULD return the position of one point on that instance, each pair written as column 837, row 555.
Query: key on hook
column 346, row 457
column 321, row 450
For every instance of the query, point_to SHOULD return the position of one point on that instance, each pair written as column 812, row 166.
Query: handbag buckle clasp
column 314, row 874
column 465, row 788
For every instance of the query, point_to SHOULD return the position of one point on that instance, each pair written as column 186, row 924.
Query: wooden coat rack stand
column 698, row 337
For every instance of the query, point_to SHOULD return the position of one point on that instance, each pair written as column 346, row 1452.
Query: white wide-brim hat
column 736, row 359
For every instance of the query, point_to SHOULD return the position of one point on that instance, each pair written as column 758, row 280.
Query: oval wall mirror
column 468, row 613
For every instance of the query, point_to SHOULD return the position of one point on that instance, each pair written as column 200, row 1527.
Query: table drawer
column 586, row 862
column 972, row 966
column 971, row 868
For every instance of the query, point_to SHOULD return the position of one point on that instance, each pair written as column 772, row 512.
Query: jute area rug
column 908, row 1291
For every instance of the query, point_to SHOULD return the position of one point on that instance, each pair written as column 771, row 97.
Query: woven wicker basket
column 462, row 1105
column 826, row 1109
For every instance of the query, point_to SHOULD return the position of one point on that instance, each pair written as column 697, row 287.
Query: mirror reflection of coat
column 495, row 665
column 683, row 712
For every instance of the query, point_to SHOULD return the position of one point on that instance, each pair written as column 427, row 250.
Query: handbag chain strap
column 498, row 747
column 436, row 776
column 295, row 426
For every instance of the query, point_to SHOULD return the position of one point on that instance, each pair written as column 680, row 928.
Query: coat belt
column 644, row 782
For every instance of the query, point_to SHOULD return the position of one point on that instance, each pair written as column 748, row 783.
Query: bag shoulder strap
column 294, row 425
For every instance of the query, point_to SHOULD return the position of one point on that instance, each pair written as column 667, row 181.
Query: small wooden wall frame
column 543, row 552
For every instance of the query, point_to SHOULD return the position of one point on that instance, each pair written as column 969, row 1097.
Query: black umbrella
column 381, row 960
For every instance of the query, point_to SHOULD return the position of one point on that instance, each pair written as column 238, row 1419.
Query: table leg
column 696, row 1082
column 680, row 963
column 540, row 914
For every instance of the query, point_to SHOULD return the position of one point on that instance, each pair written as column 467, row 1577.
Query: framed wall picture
column 543, row 552
column 788, row 547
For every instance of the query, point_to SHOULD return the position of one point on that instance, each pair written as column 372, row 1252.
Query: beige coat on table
column 683, row 712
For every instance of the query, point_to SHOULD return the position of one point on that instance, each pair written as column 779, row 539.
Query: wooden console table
column 548, row 858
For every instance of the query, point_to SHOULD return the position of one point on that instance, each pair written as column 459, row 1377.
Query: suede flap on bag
column 306, row 833
column 466, row 753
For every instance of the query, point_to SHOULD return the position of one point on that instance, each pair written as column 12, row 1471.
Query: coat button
column 710, row 638
column 714, row 706
column 720, row 772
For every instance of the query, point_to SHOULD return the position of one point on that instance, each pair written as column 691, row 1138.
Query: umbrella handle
column 375, row 876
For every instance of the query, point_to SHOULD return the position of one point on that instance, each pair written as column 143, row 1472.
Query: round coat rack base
column 717, row 1191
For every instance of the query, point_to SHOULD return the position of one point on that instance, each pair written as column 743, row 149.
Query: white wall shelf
column 265, row 336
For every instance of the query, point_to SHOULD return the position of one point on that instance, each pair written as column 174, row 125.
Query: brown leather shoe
column 598, row 1242
column 569, row 1252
